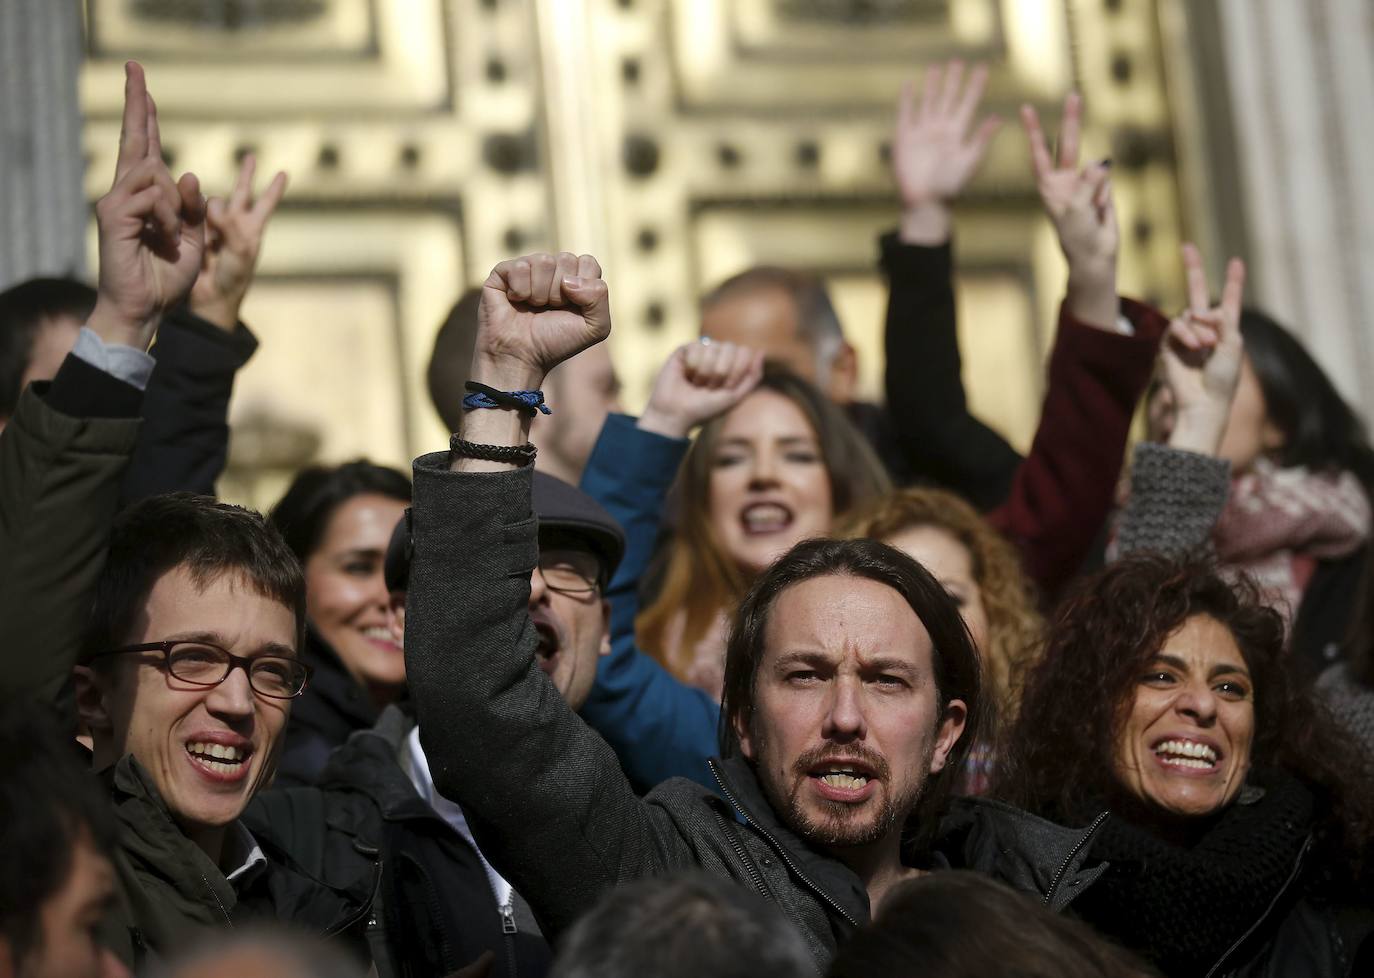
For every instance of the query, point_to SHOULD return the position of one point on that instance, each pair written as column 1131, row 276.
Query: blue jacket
column 659, row 727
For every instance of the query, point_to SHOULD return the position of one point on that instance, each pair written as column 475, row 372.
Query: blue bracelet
column 483, row 396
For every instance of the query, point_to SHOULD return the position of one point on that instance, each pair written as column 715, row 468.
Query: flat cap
column 566, row 514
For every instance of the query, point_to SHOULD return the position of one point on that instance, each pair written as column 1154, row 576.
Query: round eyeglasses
column 202, row 664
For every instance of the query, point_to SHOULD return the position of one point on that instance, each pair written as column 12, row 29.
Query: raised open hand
column 152, row 230
column 936, row 148
column 1079, row 204
column 1202, row 357
column 234, row 236
column 699, row 381
column 536, row 312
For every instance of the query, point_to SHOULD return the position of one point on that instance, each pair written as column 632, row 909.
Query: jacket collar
column 369, row 759
column 834, row 882
column 1022, row 850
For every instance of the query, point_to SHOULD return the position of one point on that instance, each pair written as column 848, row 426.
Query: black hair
column 207, row 537
column 24, row 308
column 49, row 801
column 962, row 924
column 302, row 514
column 683, row 927
column 1320, row 430
column 450, row 363
column 954, row 660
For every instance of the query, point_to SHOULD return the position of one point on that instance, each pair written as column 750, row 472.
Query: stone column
column 1285, row 94
column 42, row 206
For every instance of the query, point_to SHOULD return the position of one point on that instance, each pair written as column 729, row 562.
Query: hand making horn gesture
column 152, row 229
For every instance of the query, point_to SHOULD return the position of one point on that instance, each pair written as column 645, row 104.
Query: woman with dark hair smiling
column 338, row 521
column 1241, row 821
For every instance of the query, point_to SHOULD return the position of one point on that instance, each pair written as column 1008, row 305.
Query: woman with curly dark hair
column 1236, row 822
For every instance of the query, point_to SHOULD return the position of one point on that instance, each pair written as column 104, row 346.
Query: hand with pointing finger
column 152, row 230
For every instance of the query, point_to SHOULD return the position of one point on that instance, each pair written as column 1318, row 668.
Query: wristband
column 513, row 454
column 526, row 402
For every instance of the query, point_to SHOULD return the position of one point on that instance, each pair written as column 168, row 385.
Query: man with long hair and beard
column 851, row 693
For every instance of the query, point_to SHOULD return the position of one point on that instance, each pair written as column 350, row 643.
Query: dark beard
column 841, row 825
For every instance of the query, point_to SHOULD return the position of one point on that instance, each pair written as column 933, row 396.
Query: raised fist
column 536, row 312
column 152, row 230
column 699, row 381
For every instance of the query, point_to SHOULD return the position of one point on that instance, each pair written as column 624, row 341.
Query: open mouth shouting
column 219, row 756
column 844, row 780
column 1187, row 755
column 550, row 645
column 765, row 518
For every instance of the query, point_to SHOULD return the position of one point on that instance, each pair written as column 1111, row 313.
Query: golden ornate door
column 678, row 140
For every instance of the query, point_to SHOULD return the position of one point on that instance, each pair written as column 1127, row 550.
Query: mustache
column 816, row 756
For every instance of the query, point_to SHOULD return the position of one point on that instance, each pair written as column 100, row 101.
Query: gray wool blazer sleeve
column 1176, row 499
column 544, row 795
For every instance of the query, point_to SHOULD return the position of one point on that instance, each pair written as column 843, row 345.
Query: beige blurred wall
column 679, row 140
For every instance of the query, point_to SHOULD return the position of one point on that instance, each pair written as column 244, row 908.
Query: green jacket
column 60, row 481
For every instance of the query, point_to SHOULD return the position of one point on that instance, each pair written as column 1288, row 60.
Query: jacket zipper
column 509, row 930
column 1073, row 854
column 754, row 875
column 1297, row 868
column 782, row 852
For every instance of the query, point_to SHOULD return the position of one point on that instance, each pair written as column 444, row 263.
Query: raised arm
column 63, row 455
column 1101, row 363
column 936, row 149
column 658, row 726
column 544, row 794
column 1179, row 488
column 200, row 348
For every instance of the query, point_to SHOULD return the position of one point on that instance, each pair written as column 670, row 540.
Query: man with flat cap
column 442, row 904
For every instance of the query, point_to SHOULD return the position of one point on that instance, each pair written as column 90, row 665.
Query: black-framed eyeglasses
column 203, row 664
column 566, row 577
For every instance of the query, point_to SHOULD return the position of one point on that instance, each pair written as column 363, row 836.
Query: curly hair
column 1014, row 624
column 1059, row 762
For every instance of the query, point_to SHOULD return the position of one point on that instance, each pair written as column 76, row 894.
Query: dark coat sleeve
column 1063, row 492
column 544, row 795
column 185, row 439
column 925, row 390
column 62, row 457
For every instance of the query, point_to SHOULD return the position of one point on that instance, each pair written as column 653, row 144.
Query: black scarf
column 1182, row 906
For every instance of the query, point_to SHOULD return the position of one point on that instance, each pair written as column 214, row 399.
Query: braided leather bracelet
column 513, row 454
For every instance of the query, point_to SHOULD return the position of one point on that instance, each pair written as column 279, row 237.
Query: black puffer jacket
column 545, row 796
column 435, row 906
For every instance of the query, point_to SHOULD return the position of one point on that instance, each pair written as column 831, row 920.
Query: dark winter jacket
column 545, row 796
column 333, row 707
column 435, row 904
column 185, row 438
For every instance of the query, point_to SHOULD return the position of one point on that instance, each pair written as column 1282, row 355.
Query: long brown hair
column 1058, row 755
column 1014, row 625
column 701, row 578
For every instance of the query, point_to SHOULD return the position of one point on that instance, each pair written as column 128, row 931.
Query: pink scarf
column 1279, row 522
